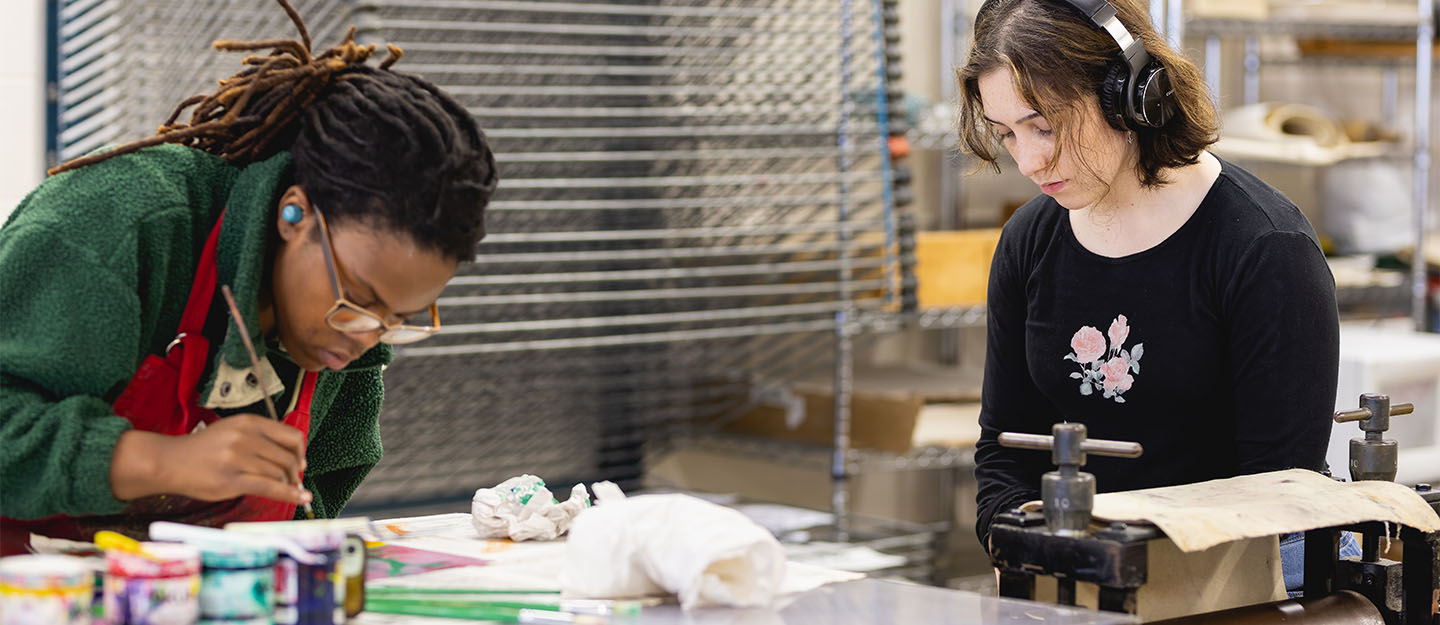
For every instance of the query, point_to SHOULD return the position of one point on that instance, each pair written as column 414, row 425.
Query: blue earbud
column 292, row 213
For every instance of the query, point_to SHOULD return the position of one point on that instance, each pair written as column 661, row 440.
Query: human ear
column 293, row 212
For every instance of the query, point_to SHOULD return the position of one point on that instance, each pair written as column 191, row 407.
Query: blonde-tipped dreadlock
column 383, row 148
column 240, row 119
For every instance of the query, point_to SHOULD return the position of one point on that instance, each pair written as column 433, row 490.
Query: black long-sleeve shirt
column 1217, row 349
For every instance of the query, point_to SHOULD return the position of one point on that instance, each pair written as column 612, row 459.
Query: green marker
column 624, row 608
column 480, row 612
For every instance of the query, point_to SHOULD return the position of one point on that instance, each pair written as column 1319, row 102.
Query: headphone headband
column 1106, row 18
column 1142, row 97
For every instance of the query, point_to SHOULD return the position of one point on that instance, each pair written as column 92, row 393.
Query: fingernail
column 305, row 496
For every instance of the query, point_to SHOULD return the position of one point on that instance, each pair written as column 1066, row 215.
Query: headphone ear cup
column 1155, row 99
column 1112, row 95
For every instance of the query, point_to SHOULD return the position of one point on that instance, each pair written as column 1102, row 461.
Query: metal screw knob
column 1373, row 457
column 1374, row 412
column 1068, row 493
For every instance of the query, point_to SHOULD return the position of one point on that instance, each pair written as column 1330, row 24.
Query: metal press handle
column 1042, row 442
column 1361, row 414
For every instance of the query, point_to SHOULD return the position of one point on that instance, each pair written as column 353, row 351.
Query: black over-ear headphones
column 1136, row 92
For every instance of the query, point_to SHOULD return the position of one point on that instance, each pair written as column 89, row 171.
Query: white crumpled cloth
column 521, row 508
column 703, row 553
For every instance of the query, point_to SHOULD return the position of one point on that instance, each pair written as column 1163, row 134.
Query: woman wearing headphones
column 1152, row 292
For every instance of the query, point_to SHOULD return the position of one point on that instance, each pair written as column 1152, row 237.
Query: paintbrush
column 255, row 364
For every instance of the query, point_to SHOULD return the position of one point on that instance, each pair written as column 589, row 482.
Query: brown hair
column 1058, row 60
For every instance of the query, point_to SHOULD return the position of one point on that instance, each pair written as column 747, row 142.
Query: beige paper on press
column 1199, row 516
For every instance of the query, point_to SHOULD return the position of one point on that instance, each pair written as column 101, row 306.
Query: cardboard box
column 911, row 496
column 801, row 478
column 1228, row 575
column 953, row 267
column 877, row 420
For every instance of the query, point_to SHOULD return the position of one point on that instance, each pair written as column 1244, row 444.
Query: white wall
column 22, row 90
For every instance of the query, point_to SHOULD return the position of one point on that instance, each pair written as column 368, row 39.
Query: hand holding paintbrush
column 255, row 364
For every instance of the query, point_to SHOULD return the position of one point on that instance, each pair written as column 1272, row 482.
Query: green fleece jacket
column 95, row 268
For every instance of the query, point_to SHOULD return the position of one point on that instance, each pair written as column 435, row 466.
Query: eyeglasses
column 347, row 316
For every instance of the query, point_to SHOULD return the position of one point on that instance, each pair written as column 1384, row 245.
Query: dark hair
column 1058, row 59
column 367, row 144
column 393, row 149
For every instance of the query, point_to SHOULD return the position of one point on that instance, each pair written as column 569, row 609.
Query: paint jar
column 161, row 589
column 353, row 557
column 311, row 594
column 238, row 583
column 45, row 590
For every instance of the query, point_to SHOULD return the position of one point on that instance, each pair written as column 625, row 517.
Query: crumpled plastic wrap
column 521, row 508
column 703, row 553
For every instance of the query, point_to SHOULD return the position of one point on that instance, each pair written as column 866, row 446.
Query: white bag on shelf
column 1367, row 207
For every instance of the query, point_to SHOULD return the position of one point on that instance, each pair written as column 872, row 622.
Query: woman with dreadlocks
column 335, row 200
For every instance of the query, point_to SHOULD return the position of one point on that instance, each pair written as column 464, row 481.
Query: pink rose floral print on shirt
column 1105, row 368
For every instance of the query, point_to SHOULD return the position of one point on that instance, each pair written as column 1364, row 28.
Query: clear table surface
column 872, row 601
column 859, row 602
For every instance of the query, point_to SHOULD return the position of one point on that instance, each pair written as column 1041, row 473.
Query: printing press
column 1061, row 541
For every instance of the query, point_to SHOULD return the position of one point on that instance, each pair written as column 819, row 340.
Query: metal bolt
column 1422, row 488
column 1067, row 492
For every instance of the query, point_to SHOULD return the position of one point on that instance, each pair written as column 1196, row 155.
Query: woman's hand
column 244, row 454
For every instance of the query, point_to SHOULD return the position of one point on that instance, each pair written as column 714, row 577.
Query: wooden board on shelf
column 1350, row 12
column 1361, row 49
column 953, row 267
column 1228, row 9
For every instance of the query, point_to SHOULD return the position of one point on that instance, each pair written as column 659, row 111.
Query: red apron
column 161, row 397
